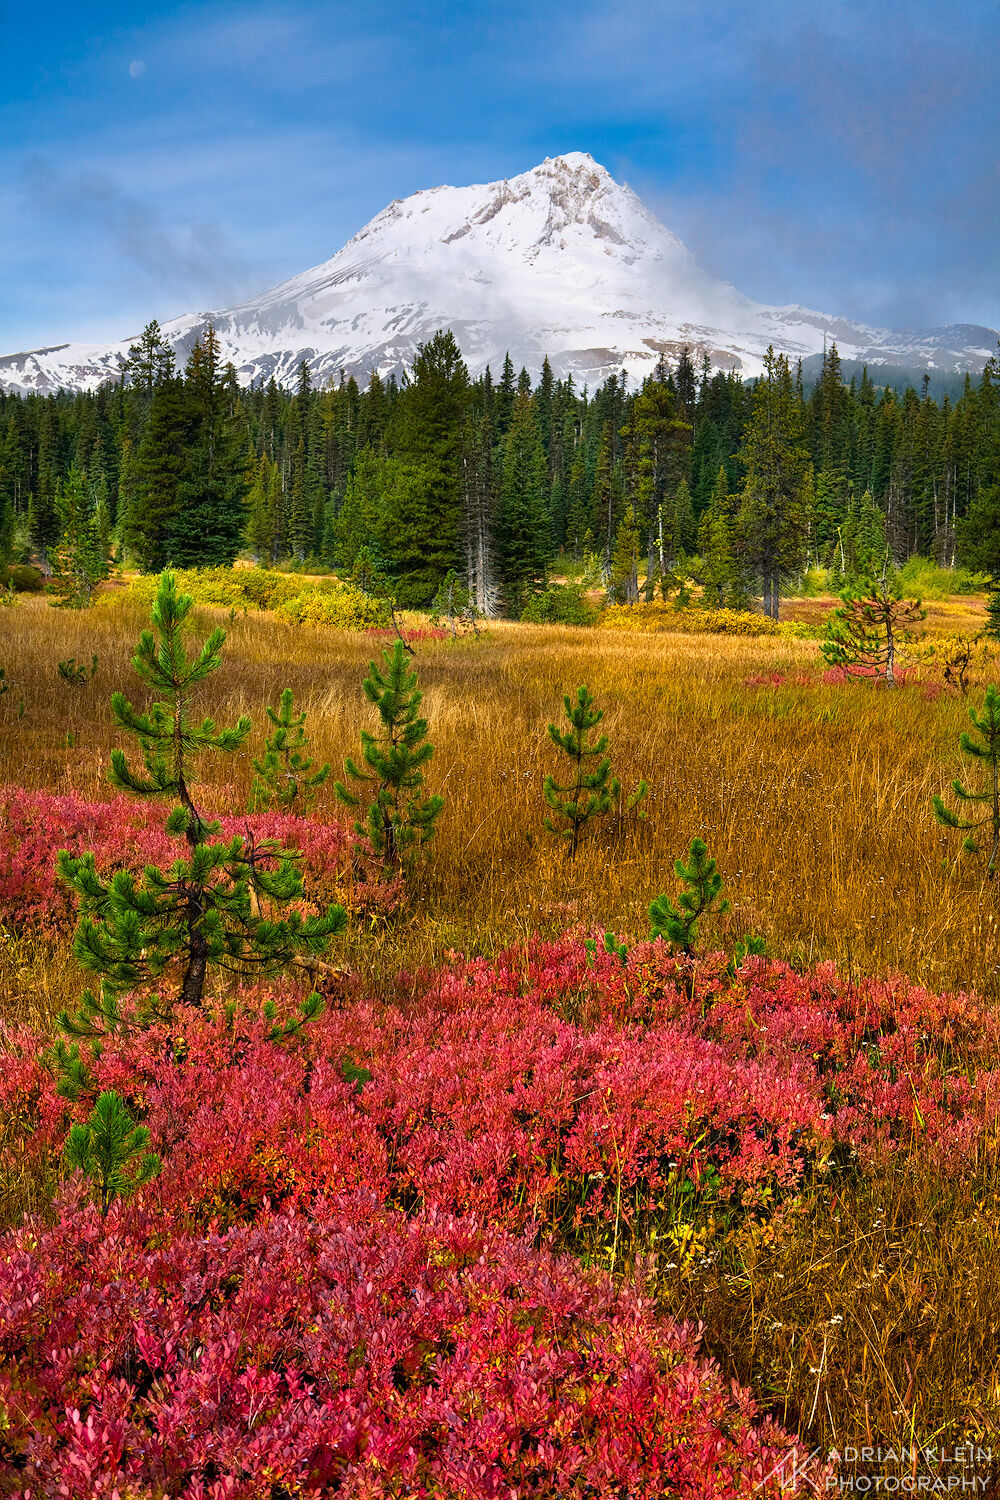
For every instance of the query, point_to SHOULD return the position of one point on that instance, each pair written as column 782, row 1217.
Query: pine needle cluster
column 987, row 751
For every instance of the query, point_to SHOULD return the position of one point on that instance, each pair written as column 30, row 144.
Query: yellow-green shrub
column 222, row 588
column 267, row 589
column 341, row 606
column 664, row 618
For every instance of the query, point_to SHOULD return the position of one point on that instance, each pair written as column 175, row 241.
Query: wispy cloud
column 190, row 257
column 845, row 156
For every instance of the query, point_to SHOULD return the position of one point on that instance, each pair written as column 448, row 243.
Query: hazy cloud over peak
column 844, row 157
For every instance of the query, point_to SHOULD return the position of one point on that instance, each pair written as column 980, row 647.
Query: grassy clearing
column 814, row 798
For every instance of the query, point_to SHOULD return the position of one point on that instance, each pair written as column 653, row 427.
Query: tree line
column 496, row 477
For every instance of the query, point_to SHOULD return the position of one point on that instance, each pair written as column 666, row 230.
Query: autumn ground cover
column 802, row 1156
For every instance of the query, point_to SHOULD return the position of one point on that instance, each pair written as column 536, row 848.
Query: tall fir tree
column 774, row 514
column 523, row 521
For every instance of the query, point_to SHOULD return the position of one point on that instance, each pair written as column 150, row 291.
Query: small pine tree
column 112, row 1151
column 869, row 629
column 285, row 779
column 987, row 751
column 398, row 818
column 588, row 794
column 701, row 896
column 452, row 604
column 76, row 672
column 206, row 909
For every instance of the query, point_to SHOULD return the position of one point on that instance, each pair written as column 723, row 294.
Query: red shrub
column 123, row 833
column 352, row 1351
column 330, row 1287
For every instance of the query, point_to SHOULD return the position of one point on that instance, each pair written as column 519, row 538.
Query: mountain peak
column 560, row 260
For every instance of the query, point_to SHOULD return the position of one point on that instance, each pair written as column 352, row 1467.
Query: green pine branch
column 986, row 750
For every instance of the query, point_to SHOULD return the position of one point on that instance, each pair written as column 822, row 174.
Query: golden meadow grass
column 814, row 798
column 874, row 1314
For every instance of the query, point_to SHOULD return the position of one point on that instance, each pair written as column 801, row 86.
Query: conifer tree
column 428, row 431
column 209, row 518
column 524, row 527
column 369, row 498
column 588, row 794
column 81, row 557
column 398, row 817
column 701, row 896
column 861, row 550
column 774, row 515
column 623, row 583
column 43, row 514
column 161, row 463
column 207, row 909
column 604, row 496
column 112, row 1150
column 986, row 750
column 657, row 449
column 684, row 528
column 453, row 604
column 264, row 508
column 715, row 542
column 979, row 539
column 871, row 626
column 285, row 778
column 150, row 361
column 300, row 511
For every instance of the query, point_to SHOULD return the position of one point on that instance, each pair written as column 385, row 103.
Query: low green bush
column 560, row 604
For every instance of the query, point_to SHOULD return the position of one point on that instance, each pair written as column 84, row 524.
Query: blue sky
column 162, row 159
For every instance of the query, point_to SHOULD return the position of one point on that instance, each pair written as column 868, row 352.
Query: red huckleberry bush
column 124, row 834
column 351, row 1276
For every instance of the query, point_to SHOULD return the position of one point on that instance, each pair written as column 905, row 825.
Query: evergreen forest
column 745, row 484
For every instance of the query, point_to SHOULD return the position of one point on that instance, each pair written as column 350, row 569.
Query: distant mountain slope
column 561, row 260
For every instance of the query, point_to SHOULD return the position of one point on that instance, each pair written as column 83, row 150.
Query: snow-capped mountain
column 562, row 260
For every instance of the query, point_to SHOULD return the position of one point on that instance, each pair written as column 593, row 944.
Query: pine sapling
column 587, row 794
column 285, row 778
column 452, row 605
column 867, row 633
column 701, row 896
column 987, row 751
column 112, row 1151
column 398, row 818
column 77, row 672
column 211, row 907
